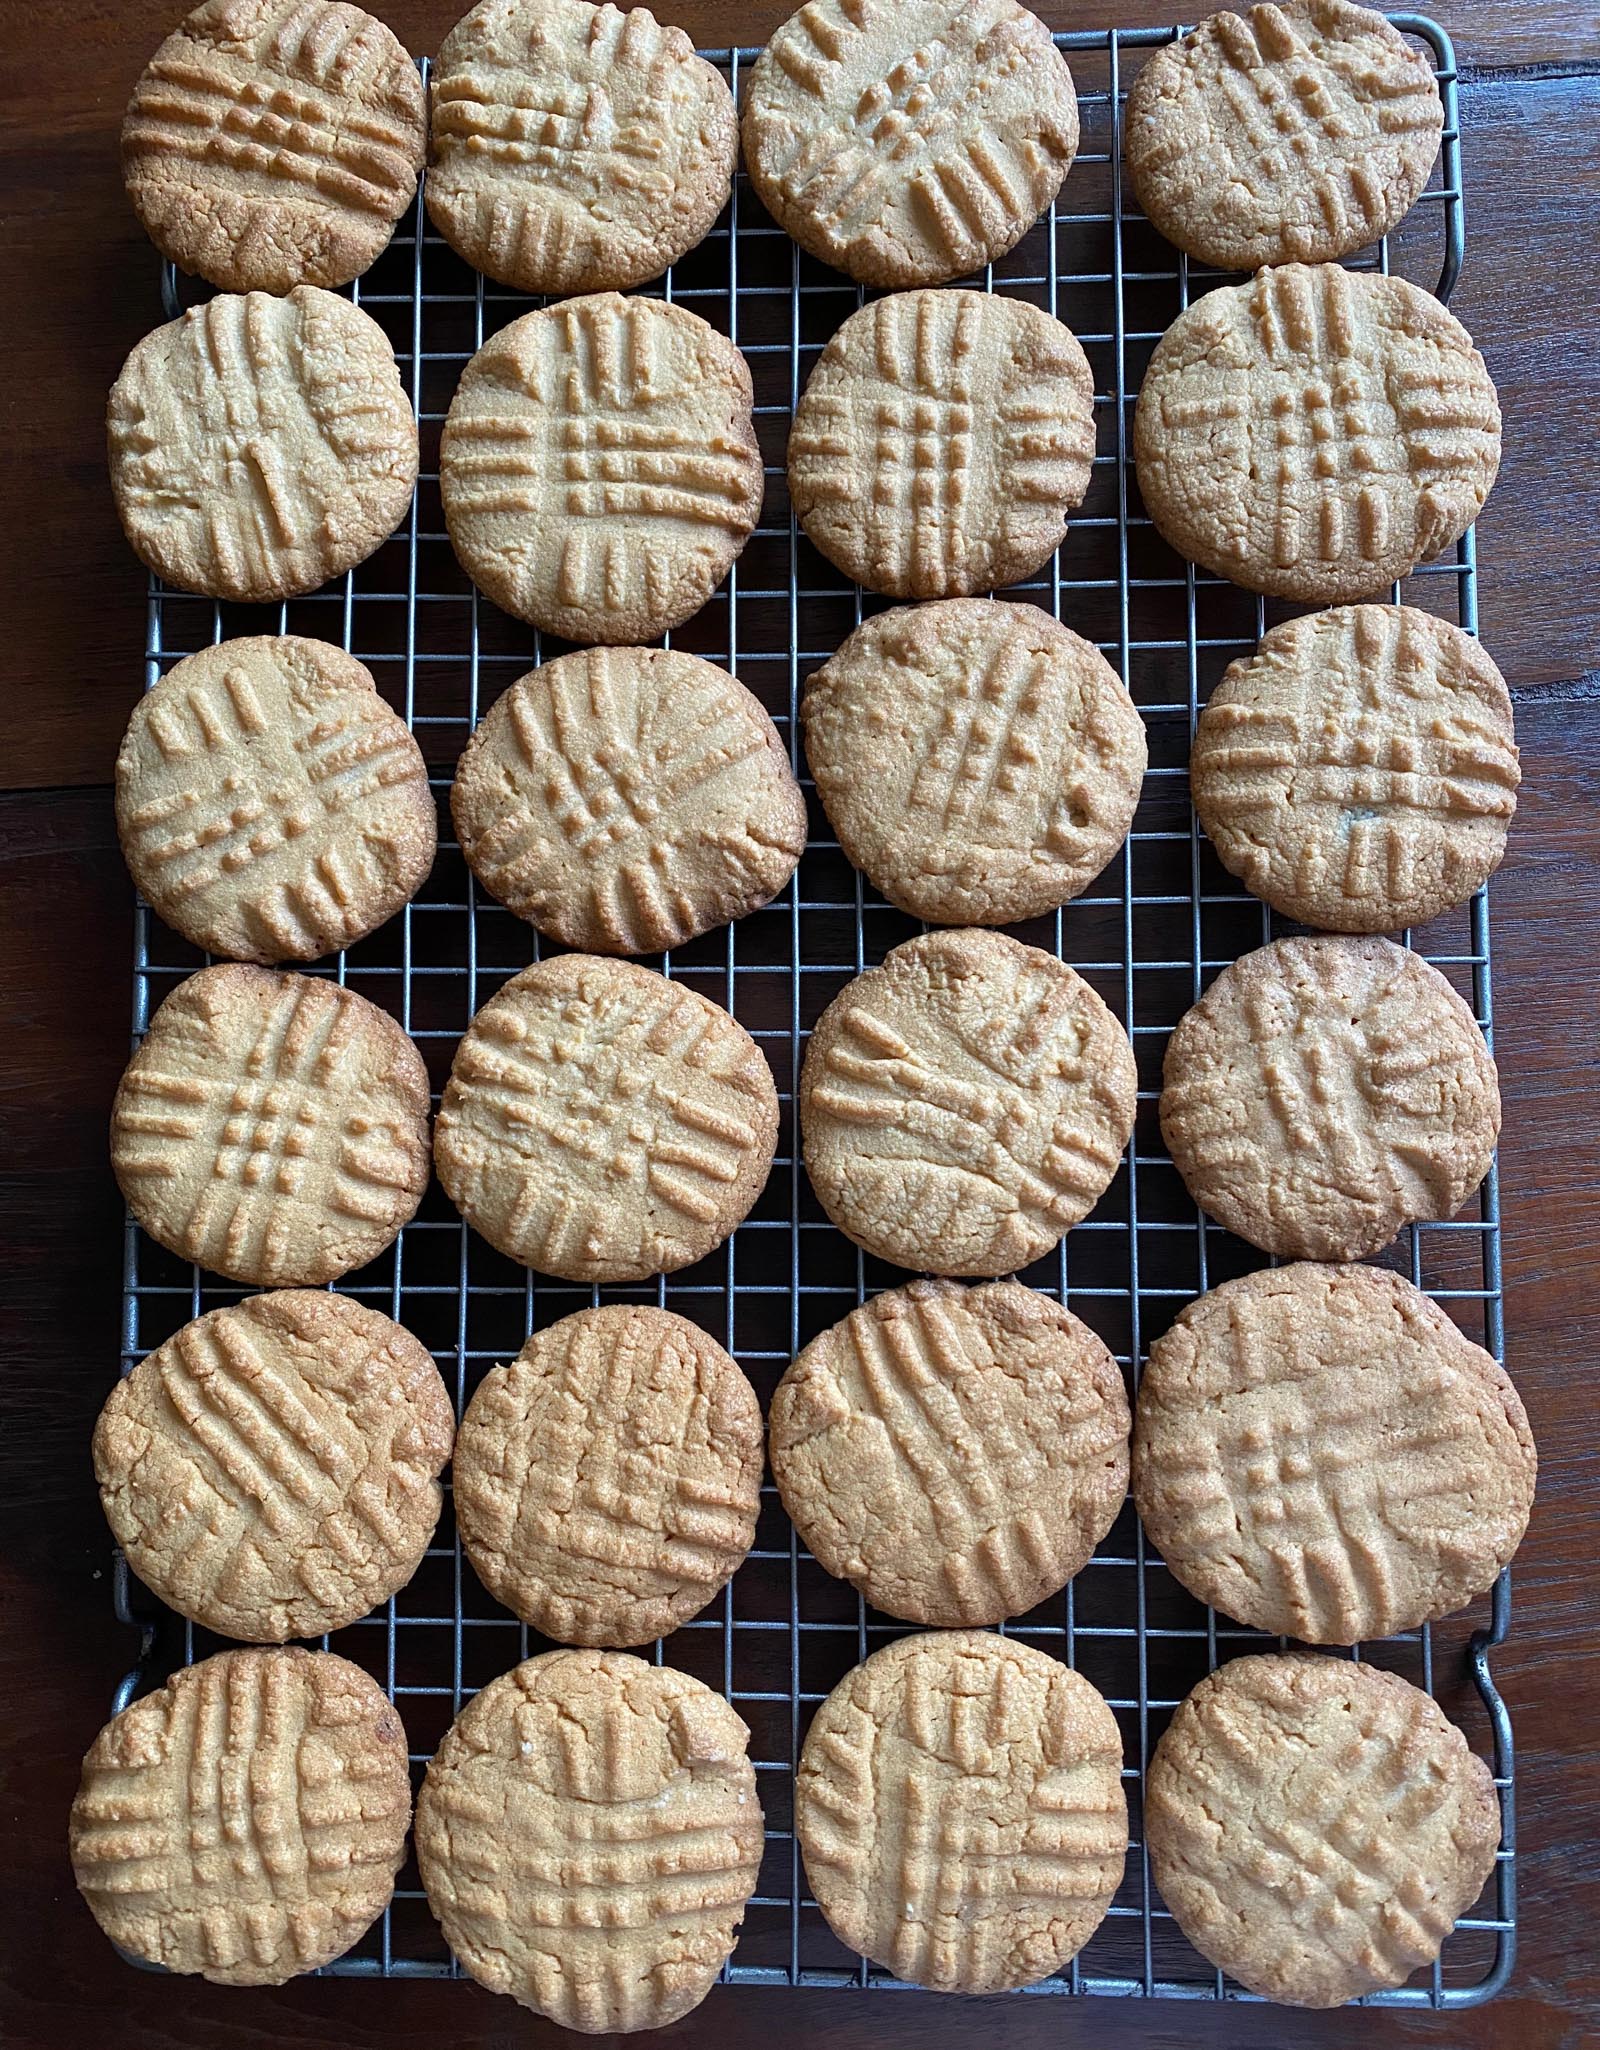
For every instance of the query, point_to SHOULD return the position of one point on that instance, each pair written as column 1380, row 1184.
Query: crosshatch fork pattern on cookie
column 1149, row 934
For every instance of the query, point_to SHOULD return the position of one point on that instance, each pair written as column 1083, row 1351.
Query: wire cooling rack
column 1149, row 935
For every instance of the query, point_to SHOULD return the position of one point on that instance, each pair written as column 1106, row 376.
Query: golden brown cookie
column 272, row 1127
column 909, row 141
column 965, row 1103
column 624, row 800
column 270, row 805
column 1359, row 771
column 1315, row 433
column 273, row 143
column 261, row 446
column 576, row 148
column 959, row 1804
column 607, row 1481
column 1289, row 134
column 246, row 1821
column 1317, row 1826
column 603, row 1123
column 979, row 761
column 940, row 442
column 1325, row 1092
column 599, row 466
column 272, row 1471
column 1319, row 1452
column 955, row 1453
column 588, row 1834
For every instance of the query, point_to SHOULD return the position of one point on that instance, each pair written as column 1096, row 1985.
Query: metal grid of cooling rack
column 1149, row 934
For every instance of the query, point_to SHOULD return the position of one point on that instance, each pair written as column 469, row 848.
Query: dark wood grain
column 83, row 288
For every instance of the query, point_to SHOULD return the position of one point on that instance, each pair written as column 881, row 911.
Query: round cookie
column 604, row 1124
column 576, row 148
column 940, row 442
column 588, row 1834
column 909, row 141
column 959, row 1804
column 1316, row 432
column 1359, row 771
column 965, row 1103
column 955, row 1453
column 977, row 760
column 607, row 1481
column 1317, row 1826
column 271, row 143
column 272, row 1127
column 599, row 466
column 1320, row 1453
column 260, row 447
column 246, row 1821
column 270, row 805
column 624, row 800
column 1325, row 1092
column 272, row 1471
column 1291, row 134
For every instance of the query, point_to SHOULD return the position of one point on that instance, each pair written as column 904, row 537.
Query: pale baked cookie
column 1325, row 1092
column 607, row 1481
column 272, row 1127
column 270, row 805
column 1322, row 1454
column 261, row 446
column 246, row 1821
column 909, row 141
column 599, row 466
column 273, row 143
column 1317, row 1826
column 965, row 1103
column 940, row 442
column 1290, row 134
column 576, row 148
column 625, row 799
column 272, row 1471
column 1315, row 433
column 1359, row 771
column 588, row 1834
column 979, row 761
column 955, row 1453
column 603, row 1123
column 959, row 1804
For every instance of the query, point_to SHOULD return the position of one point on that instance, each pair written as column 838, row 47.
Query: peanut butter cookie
column 245, row 1821
column 607, row 1481
column 1317, row 1826
column 959, row 1804
column 603, row 1123
column 965, row 1103
column 588, row 1835
column 955, row 1453
column 1325, row 1092
column 1320, row 1453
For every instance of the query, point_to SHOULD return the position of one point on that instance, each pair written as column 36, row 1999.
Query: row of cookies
column 573, row 148
column 978, row 761
column 961, row 1106
column 589, row 1831
column 1313, row 434
column 1317, row 1451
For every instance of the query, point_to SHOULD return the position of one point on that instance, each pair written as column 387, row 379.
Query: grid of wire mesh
column 1148, row 934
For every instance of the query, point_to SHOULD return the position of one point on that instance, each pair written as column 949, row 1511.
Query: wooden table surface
column 81, row 289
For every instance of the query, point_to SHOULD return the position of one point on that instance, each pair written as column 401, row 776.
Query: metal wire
column 1149, row 934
